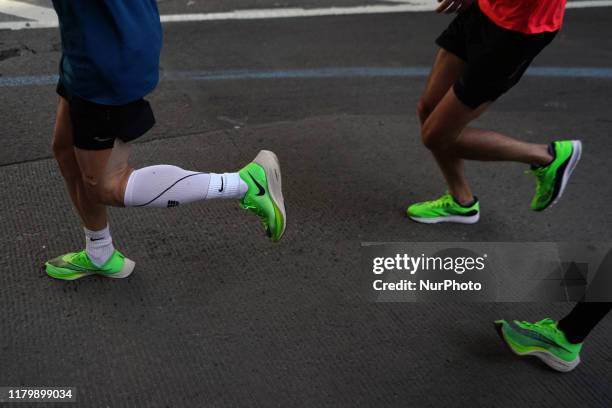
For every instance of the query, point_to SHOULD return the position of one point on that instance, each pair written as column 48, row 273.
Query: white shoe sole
column 471, row 219
column 271, row 166
column 571, row 166
column 551, row 360
column 126, row 270
column 547, row 358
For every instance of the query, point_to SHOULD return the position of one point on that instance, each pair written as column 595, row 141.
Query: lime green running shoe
column 75, row 265
column 552, row 179
column 444, row 209
column 541, row 339
column 265, row 194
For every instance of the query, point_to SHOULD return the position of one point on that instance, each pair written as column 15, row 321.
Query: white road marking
column 588, row 4
column 42, row 17
column 295, row 12
column 25, row 10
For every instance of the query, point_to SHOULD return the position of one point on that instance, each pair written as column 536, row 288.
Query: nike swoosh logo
column 99, row 139
column 262, row 190
column 221, row 189
column 97, row 239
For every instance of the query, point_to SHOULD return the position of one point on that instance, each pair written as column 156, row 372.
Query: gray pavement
column 217, row 316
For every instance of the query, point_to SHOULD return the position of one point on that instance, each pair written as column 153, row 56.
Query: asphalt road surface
column 214, row 314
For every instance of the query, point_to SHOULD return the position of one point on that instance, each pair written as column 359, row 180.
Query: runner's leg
column 446, row 70
column 91, row 213
column 109, row 179
column 582, row 320
column 446, row 134
column 471, row 144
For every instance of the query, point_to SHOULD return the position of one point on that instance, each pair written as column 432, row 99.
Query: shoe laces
column 258, row 211
column 445, row 201
column 81, row 258
column 537, row 173
column 248, row 206
column 547, row 325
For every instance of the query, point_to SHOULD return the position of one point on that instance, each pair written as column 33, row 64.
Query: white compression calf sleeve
column 165, row 186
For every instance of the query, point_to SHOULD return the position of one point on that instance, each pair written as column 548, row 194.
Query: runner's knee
column 423, row 110
column 434, row 138
column 63, row 152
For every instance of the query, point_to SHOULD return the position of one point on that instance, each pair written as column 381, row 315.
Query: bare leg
column 444, row 131
column 446, row 70
column 91, row 213
column 487, row 145
column 105, row 174
column 446, row 134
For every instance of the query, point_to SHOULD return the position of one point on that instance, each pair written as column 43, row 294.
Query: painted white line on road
column 403, row 6
column 588, row 4
column 46, row 18
column 295, row 12
column 22, row 25
column 258, row 14
column 27, row 11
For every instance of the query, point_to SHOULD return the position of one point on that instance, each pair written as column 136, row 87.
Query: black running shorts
column 95, row 126
column 496, row 57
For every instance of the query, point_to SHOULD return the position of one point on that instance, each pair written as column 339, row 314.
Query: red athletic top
column 526, row 16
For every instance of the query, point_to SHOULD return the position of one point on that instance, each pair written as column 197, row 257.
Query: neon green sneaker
column 265, row 194
column 444, row 209
column 75, row 265
column 552, row 179
column 541, row 339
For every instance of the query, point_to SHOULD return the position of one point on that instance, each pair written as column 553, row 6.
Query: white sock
column 226, row 185
column 99, row 245
column 165, row 186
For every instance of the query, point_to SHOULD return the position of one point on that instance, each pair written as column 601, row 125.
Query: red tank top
column 525, row 16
